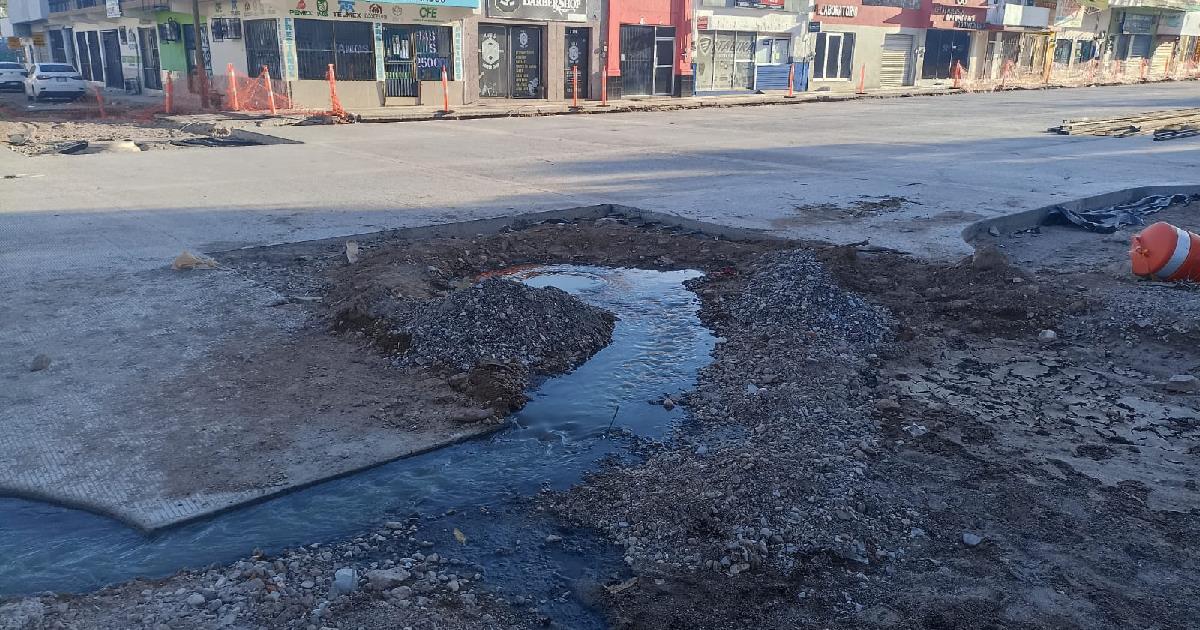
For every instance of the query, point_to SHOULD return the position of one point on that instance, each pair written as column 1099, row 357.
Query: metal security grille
column 349, row 46
column 262, row 47
column 894, row 66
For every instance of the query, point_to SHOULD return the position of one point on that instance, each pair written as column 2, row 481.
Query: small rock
column 196, row 599
column 17, row 139
column 971, row 540
column 702, row 450
column 40, row 362
column 345, row 580
column 553, row 538
column 307, row 584
column 351, row 252
column 988, row 257
column 1047, row 336
column 667, row 403
column 453, row 585
column 386, row 579
column 394, row 525
column 1183, row 384
column 994, row 231
column 887, row 404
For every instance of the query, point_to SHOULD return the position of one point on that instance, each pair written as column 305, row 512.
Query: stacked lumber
column 1122, row 126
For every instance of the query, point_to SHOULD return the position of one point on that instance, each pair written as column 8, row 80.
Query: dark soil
column 880, row 441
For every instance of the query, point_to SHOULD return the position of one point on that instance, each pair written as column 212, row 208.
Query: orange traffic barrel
column 1165, row 252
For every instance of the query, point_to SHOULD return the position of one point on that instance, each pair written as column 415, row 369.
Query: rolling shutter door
column 1162, row 56
column 894, row 70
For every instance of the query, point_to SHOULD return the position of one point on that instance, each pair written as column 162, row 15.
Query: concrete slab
column 85, row 241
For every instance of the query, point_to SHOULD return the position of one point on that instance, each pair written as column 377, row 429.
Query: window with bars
column 834, row 56
column 226, row 28
column 349, row 46
column 262, row 47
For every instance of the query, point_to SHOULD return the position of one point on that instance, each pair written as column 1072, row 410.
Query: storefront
column 875, row 42
column 648, row 47
column 1181, row 30
column 383, row 53
column 741, row 53
column 530, row 49
column 104, row 43
column 1078, row 35
column 954, row 39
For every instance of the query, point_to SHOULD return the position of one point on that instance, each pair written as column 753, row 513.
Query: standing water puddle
column 478, row 487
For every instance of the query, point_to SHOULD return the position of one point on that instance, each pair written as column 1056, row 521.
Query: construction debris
column 1123, row 126
column 1107, row 220
column 188, row 260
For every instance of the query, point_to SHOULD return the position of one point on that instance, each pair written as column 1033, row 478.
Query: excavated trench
column 480, row 486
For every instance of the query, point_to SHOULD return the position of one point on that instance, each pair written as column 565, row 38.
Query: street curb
column 1011, row 223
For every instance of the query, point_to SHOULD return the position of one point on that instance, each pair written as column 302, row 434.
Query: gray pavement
column 85, row 241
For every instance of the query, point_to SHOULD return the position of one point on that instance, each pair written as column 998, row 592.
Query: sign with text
column 112, row 8
column 814, row 27
column 837, row 10
column 551, row 10
column 770, row 5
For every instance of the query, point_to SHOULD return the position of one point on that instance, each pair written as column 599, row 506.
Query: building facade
column 531, row 49
column 872, row 43
column 648, row 48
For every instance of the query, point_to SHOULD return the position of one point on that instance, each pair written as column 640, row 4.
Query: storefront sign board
column 551, row 10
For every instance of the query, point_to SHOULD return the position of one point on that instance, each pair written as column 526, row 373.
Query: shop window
column 262, row 47
column 772, row 50
column 834, row 57
column 58, row 47
column 1062, row 51
column 226, row 28
column 1085, row 50
column 349, row 46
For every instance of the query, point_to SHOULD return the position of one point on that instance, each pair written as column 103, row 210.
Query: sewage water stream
column 480, row 487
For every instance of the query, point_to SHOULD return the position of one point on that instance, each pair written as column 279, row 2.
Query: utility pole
column 201, row 69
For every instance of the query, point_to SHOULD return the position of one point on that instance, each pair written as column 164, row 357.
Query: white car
column 54, row 80
column 12, row 76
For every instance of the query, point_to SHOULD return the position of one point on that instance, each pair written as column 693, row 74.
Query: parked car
column 54, row 80
column 12, row 76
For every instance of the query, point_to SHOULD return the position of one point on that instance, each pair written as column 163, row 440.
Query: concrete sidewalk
column 515, row 108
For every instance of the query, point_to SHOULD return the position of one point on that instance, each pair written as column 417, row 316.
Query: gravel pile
column 770, row 476
column 792, row 287
column 545, row 330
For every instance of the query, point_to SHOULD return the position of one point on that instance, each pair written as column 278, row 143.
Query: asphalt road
column 85, row 240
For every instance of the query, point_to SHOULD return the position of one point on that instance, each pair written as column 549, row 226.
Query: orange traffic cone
column 1165, row 252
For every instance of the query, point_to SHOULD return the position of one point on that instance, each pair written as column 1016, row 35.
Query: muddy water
column 480, row 487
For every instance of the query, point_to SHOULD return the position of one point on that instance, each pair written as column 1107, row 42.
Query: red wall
column 677, row 13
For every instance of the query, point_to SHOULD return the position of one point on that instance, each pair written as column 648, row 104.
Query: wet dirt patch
column 879, row 442
column 864, row 208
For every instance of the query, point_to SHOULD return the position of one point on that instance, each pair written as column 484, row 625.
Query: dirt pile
column 42, row 137
column 545, row 330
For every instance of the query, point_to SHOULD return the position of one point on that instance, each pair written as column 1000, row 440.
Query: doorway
column 97, row 61
column 413, row 54
column 577, row 55
column 647, row 60
column 85, row 62
column 943, row 49
column 510, row 61
column 151, row 66
column 113, row 77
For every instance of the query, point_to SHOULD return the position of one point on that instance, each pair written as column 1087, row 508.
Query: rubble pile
column 545, row 330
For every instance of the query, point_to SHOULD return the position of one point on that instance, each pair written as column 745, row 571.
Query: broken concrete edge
column 646, row 106
column 1028, row 219
column 667, row 106
column 495, row 225
column 148, row 527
